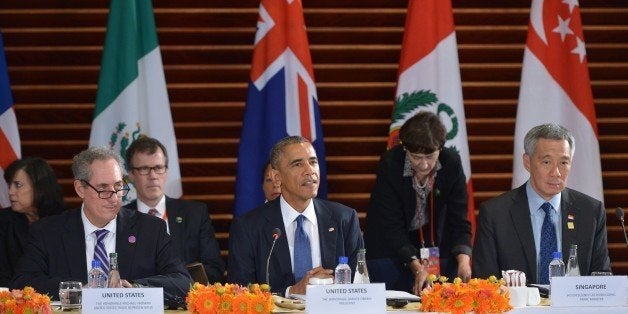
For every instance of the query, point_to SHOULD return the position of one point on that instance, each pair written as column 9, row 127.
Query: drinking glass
column 70, row 294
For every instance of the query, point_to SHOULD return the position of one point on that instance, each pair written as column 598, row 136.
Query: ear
column 526, row 161
column 79, row 188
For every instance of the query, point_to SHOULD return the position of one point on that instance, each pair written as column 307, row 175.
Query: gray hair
column 278, row 148
column 548, row 131
column 81, row 163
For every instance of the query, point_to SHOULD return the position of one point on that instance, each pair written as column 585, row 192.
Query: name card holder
column 123, row 300
column 589, row 291
column 342, row 299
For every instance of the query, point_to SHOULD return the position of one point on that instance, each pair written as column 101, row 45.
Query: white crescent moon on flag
column 536, row 19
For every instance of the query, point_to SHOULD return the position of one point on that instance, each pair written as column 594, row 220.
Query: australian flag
column 281, row 99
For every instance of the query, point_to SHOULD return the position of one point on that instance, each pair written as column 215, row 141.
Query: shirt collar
column 535, row 200
column 289, row 214
column 89, row 228
column 161, row 206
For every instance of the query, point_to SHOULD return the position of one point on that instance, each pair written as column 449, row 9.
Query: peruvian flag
column 281, row 99
column 555, row 87
column 429, row 79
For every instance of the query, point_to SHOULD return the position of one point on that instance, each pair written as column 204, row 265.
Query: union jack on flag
column 281, row 99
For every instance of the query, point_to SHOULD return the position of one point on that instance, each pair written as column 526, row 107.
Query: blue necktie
column 302, row 251
column 100, row 253
column 548, row 244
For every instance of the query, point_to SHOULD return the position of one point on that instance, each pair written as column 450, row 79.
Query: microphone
column 620, row 215
column 276, row 235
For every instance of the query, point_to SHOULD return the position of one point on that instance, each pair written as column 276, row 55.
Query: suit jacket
column 193, row 235
column 251, row 239
column 56, row 252
column 13, row 237
column 504, row 238
column 393, row 205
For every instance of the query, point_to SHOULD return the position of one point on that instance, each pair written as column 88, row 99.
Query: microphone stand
column 276, row 235
column 620, row 215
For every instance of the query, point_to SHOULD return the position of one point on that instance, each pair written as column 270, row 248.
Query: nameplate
column 589, row 291
column 350, row 298
column 123, row 300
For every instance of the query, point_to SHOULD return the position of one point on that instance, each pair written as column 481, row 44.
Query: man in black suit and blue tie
column 62, row 247
column 188, row 222
column 517, row 229
column 315, row 232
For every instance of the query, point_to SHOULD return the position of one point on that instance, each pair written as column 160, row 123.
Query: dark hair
column 47, row 195
column 277, row 150
column 143, row 144
column 266, row 164
column 424, row 133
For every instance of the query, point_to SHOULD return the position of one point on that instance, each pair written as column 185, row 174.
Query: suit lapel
column 520, row 214
column 328, row 233
column 281, row 253
column 126, row 240
column 176, row 222
column 73, row 238
column 568, row 209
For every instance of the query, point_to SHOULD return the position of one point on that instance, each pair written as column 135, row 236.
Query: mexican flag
column 429, row 79
column 132, row 98
column 555, row 87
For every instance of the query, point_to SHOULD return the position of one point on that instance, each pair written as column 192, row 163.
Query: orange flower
column 478, row 296
column 24, row 301
column 228, row 298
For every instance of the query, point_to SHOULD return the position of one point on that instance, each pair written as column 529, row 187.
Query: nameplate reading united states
column 589, row 291
column 123, row 300
column 342, row 299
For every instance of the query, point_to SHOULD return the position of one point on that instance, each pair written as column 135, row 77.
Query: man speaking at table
column 62, row 247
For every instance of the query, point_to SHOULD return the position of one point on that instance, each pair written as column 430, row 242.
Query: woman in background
column 34, row 193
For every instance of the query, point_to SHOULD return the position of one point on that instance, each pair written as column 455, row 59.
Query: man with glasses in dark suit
column 188, row 222
column 62, row 247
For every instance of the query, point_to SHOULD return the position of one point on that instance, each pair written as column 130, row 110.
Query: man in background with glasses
column 188, row 222
column 62, row 247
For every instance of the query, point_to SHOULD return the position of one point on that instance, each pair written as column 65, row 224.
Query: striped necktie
column 100, row 253
column 548, row 244
column 153, row 212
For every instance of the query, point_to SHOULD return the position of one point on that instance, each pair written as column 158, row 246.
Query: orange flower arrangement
column 24, row 301
column 229, row 298
column 478, row 296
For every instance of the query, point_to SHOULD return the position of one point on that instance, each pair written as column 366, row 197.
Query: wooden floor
column 54, row 48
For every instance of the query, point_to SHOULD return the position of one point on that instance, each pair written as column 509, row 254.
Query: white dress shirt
column 161, row 209
column 90, row 238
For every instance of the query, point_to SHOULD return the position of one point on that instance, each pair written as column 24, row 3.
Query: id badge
column 430, row 259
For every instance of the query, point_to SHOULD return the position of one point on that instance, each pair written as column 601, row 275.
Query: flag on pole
column 429, row 79
column 132, row 98
column 9, row 135
column 281, row 99
column 555, row 87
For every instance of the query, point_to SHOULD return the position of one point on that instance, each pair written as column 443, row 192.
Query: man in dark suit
column 331, row 229
column 62, row 247
column 510, row 232
column 188, row 222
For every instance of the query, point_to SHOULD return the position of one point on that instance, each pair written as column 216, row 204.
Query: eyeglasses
column 161, row 169
column 108, row 194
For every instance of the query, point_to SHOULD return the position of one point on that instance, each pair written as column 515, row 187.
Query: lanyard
column 421, row 237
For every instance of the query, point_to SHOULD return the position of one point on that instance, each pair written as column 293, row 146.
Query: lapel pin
column 570, row 225
column 132, row 239
column 570, row 217
column 331, row 229
column 179, row 220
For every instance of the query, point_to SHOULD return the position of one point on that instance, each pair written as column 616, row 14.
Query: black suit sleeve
column 242, row 260
column 170, row 271
column 209, row 251
column 484, row 249
column 600, row 260
column 34, row 266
